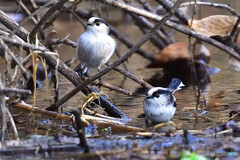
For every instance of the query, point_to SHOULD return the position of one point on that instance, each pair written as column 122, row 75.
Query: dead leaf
column 172, row 52
column 214, row 25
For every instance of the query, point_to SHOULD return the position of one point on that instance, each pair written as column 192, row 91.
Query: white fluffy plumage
column 160, row 104
column 95, row 46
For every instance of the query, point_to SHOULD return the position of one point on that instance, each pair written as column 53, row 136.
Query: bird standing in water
column 159, row 104
column 95, row 46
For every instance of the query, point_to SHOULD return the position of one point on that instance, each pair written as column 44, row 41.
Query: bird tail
column 175, row 85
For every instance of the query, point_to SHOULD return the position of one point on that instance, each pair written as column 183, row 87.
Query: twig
column 117, row 89
column 167, row 4
column 235, row 29
column 157, row 41
column 14, row 90
column 13, row 124
column 217, row 5
column 64, row 41
column 124, row 63
column 127, row 55
column 132, row 77
column 3, row 114
column 5, row 47
column 63, row 9
column 17, row 27
column 23, row 44
column 45, row 17
column 170, row 24
column 80, row 130
column 26, row 10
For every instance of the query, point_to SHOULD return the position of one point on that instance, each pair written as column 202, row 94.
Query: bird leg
column 100, row 81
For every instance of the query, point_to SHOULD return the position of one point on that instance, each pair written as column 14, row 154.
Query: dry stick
column 23, row 44
column 121, row 59
column 45, row 17
column 13, row 124
column 162, row 34
column 116, row 33
column 235, row 29
column 27, row 11
column 60, row 41
column 17, row 27
column 132, row 77
column 3, row 114
column 217, row 5
column 14, row 90
column 5, row 47
column 63, row 9
column 117, row 89
column 193, row 63
column 155, row 40
column 167, row 4
column 172, row 25
column 62, row 68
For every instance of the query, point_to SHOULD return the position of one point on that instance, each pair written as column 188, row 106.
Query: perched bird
column 160, row 104
column 95, row 46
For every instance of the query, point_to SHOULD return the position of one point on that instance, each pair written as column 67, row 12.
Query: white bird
column 160, row 104
column 95, row 46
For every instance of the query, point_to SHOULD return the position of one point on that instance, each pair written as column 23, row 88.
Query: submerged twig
column 80, row 130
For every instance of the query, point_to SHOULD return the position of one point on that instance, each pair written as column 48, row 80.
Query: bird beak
column 89, row 24
column 148, row 97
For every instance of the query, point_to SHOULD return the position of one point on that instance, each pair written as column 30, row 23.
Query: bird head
column 97, row 25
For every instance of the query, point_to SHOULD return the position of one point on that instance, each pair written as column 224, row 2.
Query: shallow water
column 221, row 95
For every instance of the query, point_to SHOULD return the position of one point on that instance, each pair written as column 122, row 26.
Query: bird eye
column 156, row 95
column 98, row 24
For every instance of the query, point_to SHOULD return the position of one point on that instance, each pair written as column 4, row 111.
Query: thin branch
column 14, row 90
column 64, row 41
column 125, row 57
column 167, row 4
column 27, row 11
column 13, row 124
column 235, row 29
column 23, row 44
column 117, row 89
column 45, row 17
column 16, row 28
column 5, row 47
column 217, row 5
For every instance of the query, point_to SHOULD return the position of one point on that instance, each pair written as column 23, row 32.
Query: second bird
column 95, row 46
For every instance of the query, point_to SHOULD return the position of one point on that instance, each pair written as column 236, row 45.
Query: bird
column 95, row 46
column 159, row 104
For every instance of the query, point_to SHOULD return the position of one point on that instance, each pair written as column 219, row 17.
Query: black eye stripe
column 160, row 91
column 100, row 20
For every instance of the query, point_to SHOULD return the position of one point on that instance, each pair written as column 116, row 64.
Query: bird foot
column 164, row 124
column 100, row 82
